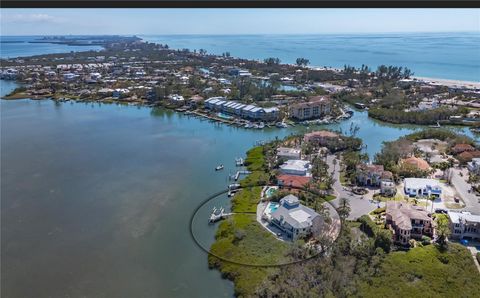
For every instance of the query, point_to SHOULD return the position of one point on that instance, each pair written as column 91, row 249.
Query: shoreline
column 448, row 82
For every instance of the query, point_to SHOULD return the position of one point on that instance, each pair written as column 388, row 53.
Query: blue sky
column 235, row 21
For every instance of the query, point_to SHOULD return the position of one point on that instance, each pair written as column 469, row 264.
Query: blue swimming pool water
column 273, row 207
column 270, row 192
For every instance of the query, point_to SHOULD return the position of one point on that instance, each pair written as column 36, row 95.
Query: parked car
column 439, row 210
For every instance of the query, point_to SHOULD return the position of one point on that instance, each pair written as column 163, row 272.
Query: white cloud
column 30, row 18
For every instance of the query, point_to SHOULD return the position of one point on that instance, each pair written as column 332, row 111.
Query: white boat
column 261, row 125
column 436, row 126
column 218, row 168
column 281, row 125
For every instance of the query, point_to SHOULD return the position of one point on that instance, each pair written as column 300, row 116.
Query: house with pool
column 292, row 218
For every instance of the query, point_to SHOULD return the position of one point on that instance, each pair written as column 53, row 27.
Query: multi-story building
column 474, row 166
column 296, row 220
column 320, row 137
column 407, row 221
column 464, row 225
column 372, row 175
column 252, row 112
column 422, row 187
column 316, row 107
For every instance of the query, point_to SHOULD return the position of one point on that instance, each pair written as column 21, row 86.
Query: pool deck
column 271, row 228
column 332, row 230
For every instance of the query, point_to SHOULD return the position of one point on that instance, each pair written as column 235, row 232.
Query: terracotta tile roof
column 293, row 180
column 320, row 134
column 459, row 148
column 418, row 162
column 468, row 155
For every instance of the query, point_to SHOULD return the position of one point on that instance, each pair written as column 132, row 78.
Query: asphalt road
column 358, row 205
column 462, row 187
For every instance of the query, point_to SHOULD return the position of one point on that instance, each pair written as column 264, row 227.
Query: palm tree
column 443, row 231
column 344, row 208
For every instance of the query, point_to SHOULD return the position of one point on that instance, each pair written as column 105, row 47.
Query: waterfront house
column 464, row 225
column 120, row 92
column 176, row 99
column 316, row 107
column 407, row 221
column 372, row 175
column 295, row 220
column 422, row 187
column 288, row 153
column 320, row 137
column 474, row 166
column 296, row 167
column 292, row 181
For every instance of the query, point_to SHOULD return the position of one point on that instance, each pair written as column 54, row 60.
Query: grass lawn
column 247, row 199
column 425, row 272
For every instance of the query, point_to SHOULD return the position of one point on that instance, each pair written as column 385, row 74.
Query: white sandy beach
column 450, row 83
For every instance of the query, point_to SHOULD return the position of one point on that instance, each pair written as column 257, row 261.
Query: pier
column 239, row 162
column 218, row 214
column 237, row 175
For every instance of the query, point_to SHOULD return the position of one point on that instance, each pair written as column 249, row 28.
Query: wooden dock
column 218, row 214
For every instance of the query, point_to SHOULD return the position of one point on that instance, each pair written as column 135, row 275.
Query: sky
column 234, row 21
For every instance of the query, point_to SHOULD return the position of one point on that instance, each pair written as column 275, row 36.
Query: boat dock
column 237, row 175
column 218, row 214
column 239, row 162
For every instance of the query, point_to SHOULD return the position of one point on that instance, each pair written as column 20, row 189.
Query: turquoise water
column 224, row 116
column 273, row 207
column 270, row 192
column 23, row 48
column 438, row 55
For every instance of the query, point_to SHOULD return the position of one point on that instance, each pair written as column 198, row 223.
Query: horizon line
column 239, row 34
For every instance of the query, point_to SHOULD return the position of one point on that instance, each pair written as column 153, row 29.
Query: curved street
column 358, row 205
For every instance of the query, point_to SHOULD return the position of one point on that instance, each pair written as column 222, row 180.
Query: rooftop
column 298, row 217
column 420, row 183
column 403, row 213
column 456, row 217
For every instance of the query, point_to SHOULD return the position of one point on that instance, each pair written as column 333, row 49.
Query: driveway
column 358, row 205
column 462, row 187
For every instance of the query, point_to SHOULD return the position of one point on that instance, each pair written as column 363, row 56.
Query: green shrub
column 379, row 210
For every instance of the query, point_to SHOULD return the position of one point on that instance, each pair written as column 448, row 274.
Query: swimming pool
column 224, row 116
column 270, row 191
column 273, row 207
